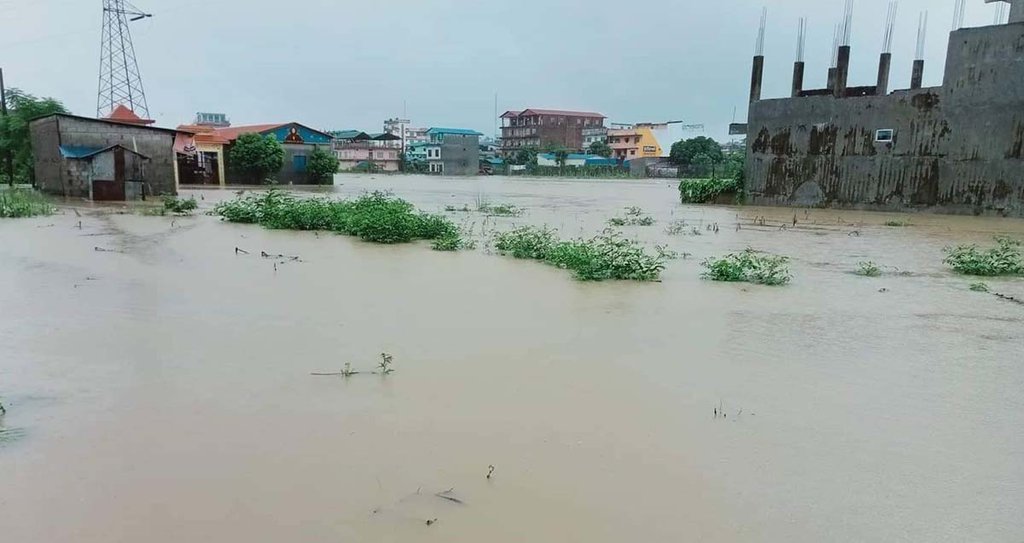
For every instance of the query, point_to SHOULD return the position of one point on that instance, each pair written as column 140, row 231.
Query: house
column 299, row 141
column 543, row 128
column 453, row 151
column 358, row 150
column 594, row 135
column 116, row 158
column 205, row 162
column 633, row 143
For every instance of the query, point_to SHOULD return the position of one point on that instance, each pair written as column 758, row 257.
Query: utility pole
column 8, row 160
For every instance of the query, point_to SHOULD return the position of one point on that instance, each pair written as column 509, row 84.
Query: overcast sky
column 336, row 64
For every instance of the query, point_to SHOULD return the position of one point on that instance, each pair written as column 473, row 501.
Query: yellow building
column 633, row 143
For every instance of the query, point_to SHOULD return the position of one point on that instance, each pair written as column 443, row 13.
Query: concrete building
column 453, row 151
column 299, row 141
column 594, row 135
column 105, row 159
column 634, row 143
column 543, row 128
column 205, row 162
column 957, row 148
column 358, row 150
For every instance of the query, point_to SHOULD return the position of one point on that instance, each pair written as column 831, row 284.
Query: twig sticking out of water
column 102, row 250
column 431, row 522
column 447, row 495
column 241, row 251
column 265, row 254
column 490, row 471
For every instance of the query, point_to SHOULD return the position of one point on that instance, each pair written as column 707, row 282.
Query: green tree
column 256, row 158
column 15, row 140
column 699, row 152
column 601, row 148
column 322, row 166
column 561, row 156
column 526, row 156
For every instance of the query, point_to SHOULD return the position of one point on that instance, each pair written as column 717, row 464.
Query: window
column 885, row 135
column 632, row 151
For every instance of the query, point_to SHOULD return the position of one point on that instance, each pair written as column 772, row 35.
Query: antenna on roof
column 922, row 34
column 958, row 14
column 847, row 25
column 801, row 38
column 890, row 25
column 835, row 46
column 759, row 46
column 1001, row 14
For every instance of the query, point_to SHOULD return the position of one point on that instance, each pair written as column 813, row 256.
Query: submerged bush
column 19, row 203
column 748, row 266
column 376, row 217
column 1004, row 259
column 702, row 191
column 181, row 206
column 604, row 257
column 868, row 269
column 634, row 217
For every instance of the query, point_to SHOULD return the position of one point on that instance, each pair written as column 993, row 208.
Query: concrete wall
column 957, row 148
column 48, row 168
column 156, row 144
column 461, row 154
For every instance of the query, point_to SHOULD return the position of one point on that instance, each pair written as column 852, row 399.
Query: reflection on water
column 857, row 409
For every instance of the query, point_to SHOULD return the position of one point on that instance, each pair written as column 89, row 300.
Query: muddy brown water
column 159, row 390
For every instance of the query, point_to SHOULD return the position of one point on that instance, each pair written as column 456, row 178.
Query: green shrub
column 376, row 217
column 20, row 203
column 868, row 269
column 897, row 224
column 634, row 216
column 980, row 287
column 606, row 256
column 453, row 242
column 181, row 206
column 702, row 191
column 748, row 266
column 501, row 210
column 1003, row 259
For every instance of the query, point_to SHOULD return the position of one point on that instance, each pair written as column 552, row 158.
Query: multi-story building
column 633, row 143
column 453, row 151
column 594, row 135
column 409, row 135
column 357, row 150
column 542, row 128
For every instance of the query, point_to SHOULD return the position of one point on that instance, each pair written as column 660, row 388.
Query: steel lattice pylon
column 120, row 81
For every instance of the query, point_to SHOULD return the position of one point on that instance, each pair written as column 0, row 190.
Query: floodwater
column 159, row 389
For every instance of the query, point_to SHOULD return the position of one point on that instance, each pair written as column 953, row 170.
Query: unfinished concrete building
column 958, row 148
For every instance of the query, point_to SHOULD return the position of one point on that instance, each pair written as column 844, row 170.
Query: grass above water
column 376, row 217
column 603, row 257
column 22, row 203
column 1005, row 259
column 749, row 266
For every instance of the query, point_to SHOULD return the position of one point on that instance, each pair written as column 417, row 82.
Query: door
column 299, row 163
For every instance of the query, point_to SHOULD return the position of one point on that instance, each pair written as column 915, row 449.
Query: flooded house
column 121, row 157
column 299, row 142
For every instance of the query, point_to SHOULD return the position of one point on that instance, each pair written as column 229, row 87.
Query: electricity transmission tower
column 120, row 81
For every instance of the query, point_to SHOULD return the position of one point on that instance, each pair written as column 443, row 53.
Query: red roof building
column 123, row 114
column 546, row 128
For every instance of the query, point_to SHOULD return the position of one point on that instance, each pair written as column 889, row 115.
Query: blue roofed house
column 299, row 141
column 576, row 160
column 453, row 151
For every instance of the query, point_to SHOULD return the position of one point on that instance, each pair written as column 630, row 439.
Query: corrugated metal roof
column 454, row 131
column 232, row 132
column 82, row 152
column 560, row 112
column 349, row 134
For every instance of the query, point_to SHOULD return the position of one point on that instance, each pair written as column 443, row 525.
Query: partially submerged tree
column 15, row 140
column 525, row 157
column 700, row 152
column 322, row 166
column 256, row 158
column 601, row 148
